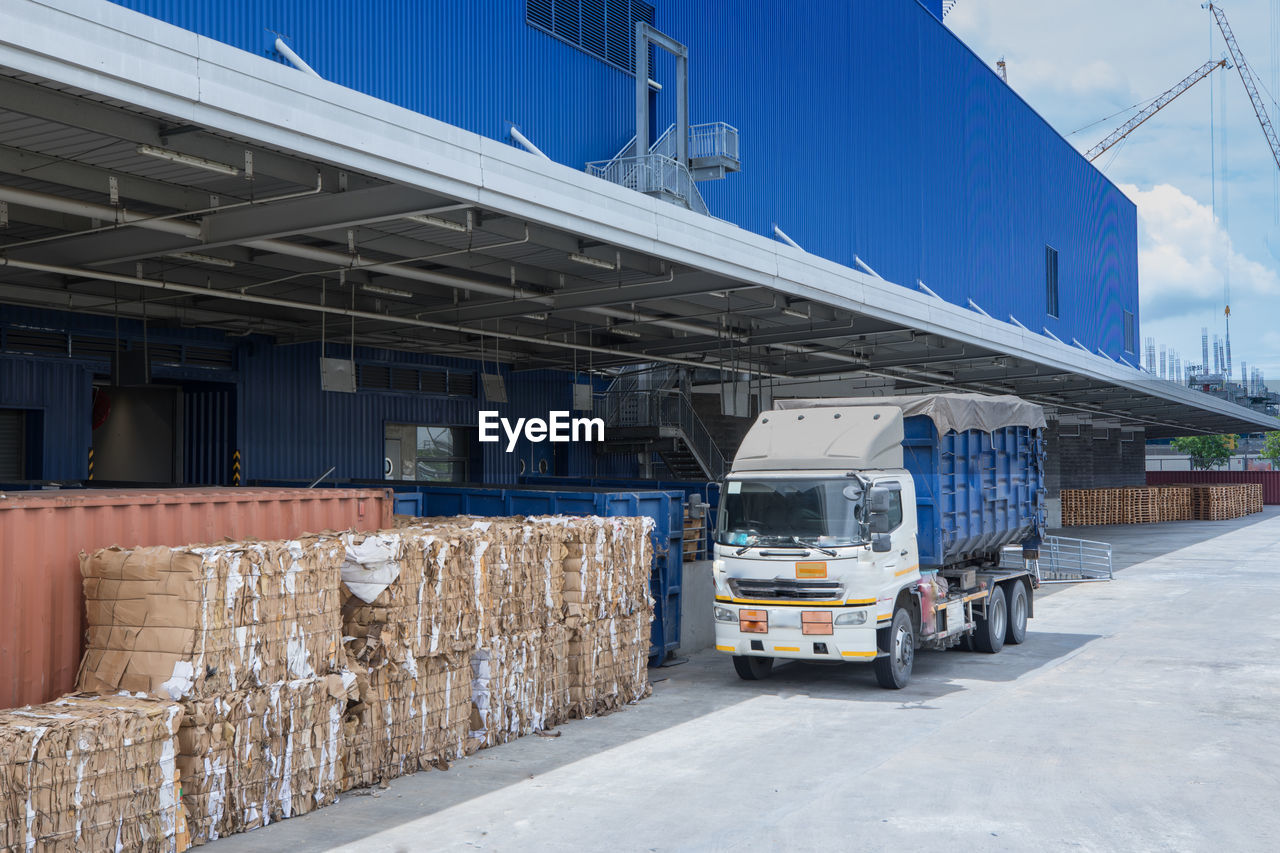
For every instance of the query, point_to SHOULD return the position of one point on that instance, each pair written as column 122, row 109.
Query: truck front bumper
column 786, row 637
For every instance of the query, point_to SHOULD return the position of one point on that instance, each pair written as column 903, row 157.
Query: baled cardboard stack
column 203, row 620
column 406, row 717
column 251, row 757
column 608, row 609
column 309, row 667
column 520, row 684
column 247, row 636
column 90, row 773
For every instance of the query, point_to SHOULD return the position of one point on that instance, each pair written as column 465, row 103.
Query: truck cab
column 817, row 553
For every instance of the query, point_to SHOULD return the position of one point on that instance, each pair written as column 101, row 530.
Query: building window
column 895, row 510
column 606, row 29
column 1130, row 333
column 1051, row 280
column 433, row 454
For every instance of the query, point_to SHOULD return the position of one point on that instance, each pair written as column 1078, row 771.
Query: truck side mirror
column 881, row 542
column 878, row 521
column 878, row 499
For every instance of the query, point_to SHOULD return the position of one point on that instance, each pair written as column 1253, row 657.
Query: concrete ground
column 1141, row 714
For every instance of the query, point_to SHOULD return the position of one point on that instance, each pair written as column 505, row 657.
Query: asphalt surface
column 1141, row 714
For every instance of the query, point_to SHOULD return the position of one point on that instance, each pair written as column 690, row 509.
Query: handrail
column 668, row 408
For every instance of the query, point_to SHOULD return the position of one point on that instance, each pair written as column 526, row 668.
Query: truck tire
column 989, row 634
column 752, row 668
column 1016, row 632
column 893, row 668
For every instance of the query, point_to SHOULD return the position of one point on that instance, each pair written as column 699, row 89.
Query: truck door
column 902, row 558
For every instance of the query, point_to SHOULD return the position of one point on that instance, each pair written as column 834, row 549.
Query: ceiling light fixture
column 386, row 291
column 791, row 312
column 187, row 160
column 542, row 315
column 627, row 333
column 437, row 222
column 204, row 259
column 592, row 262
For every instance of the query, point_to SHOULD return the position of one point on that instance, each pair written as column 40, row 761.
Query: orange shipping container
column 42, row 534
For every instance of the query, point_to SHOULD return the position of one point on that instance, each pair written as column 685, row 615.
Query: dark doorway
column 135, row 436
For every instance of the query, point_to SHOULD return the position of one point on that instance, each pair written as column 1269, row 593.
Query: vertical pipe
column 682, row 108
column 642, row 90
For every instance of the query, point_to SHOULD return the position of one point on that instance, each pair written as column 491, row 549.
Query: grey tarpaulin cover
column 948, row 412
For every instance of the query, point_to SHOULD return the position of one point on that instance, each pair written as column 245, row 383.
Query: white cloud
column 1182, row 254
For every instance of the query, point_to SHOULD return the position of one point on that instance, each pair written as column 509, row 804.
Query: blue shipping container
column 975, row 491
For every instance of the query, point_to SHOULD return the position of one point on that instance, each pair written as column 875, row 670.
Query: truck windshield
column 772, row 512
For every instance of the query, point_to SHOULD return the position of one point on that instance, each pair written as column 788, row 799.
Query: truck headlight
column 857, row 617
column 724, row 614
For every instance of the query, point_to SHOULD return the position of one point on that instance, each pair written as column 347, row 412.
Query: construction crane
column 1246, row 77
column 1158, row 104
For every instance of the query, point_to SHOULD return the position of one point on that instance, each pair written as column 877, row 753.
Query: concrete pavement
column 1142, row 714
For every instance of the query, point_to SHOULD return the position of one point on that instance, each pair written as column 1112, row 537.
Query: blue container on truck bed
column 976, row 491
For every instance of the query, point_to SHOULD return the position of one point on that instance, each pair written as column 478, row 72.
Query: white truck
column 863, row 529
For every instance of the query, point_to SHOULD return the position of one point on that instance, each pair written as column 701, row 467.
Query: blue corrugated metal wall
column 62, row 392
column 285, row 426
column 867, row 129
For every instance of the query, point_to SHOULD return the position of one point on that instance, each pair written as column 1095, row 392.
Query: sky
column 1200, row 171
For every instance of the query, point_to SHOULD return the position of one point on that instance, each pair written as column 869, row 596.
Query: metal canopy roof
column 150, row 172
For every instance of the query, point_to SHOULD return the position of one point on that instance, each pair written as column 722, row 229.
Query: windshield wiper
column 804, row 544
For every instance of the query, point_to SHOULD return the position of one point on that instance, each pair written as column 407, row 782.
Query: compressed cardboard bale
column 196, row 621
column 406, row 717
column 90, row 773
column 250, row 757
column 607, row 566
column 608, row 664
column 442, row 586
column 523, row 575
column 411, row 593
column 519, row 685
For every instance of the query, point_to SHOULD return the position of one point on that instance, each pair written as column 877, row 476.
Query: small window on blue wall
column 1130, row 333
column 603, row 28
column 1051, row 280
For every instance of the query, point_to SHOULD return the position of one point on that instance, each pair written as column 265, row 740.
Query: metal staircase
column 660, row 419
column 713, row 153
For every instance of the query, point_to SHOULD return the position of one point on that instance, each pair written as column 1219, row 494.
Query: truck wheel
column 893, row 669
column 1017, row 630
column 989, row 636
column 752, row 668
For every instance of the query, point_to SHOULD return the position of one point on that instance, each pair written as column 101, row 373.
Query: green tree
column 1206, row 451
column 1271, row 448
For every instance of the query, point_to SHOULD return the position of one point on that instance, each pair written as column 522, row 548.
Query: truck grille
column 783, row 589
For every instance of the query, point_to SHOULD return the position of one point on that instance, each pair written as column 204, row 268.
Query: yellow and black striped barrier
column 235, row 468
column 90, row 463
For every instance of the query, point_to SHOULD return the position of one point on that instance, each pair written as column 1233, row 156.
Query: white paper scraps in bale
column 252, row 757
column 519, row 685
column 423, row 606
column 90, row 773
column 202, row 620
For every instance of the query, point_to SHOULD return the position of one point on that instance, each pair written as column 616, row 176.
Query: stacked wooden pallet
column 1149, row 504
column 1175, row 503
column 1141, row 505
column 1092, row 506
column 1253, row 498
column 695, row 535
column 1221, row 501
